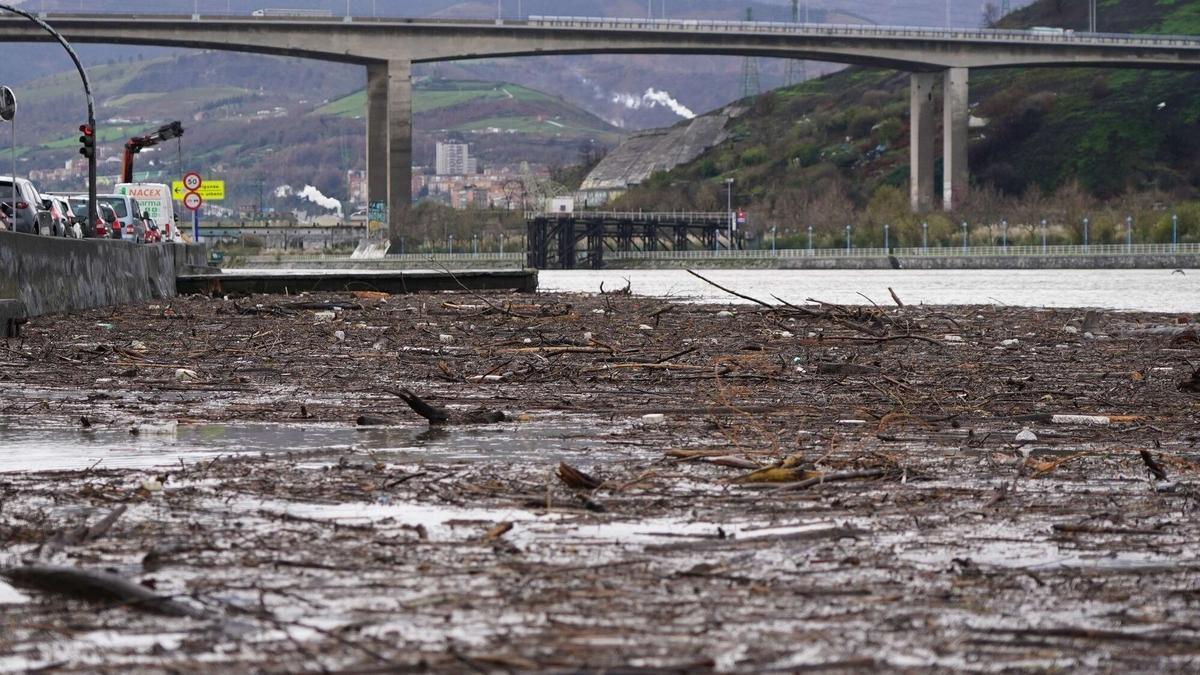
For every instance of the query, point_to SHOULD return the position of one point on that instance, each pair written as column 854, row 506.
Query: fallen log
column 98, row 586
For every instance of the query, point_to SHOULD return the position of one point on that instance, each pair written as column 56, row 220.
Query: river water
column 1148, row 290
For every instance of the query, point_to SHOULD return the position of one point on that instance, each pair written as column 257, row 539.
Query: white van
column 155, row 199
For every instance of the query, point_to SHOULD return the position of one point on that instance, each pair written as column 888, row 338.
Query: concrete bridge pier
column 389, row 141
column 955, row 121
column 921, row 131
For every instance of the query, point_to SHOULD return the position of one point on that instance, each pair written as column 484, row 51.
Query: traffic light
column 88, row 141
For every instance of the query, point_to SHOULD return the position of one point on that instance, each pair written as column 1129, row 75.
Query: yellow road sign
column 211, row 190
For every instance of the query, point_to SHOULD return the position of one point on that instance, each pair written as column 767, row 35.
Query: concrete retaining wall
column 51, row 274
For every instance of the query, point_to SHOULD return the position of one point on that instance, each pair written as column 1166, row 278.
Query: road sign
column 193, row 200
column 211, row 190
column 8, row 104
column 192, row 181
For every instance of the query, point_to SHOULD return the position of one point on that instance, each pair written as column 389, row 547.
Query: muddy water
column 57, row 449
column 1142, row 290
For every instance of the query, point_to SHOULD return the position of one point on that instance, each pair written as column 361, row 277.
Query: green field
column 442, row 94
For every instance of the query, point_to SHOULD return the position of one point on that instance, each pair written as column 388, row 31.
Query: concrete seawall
column 51, row 274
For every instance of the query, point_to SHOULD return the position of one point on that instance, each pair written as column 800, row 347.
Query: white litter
column 446, row 339
column 168, row 428
column 1026, row 435
column 654, row 419
column 339, row 335
column 1010, row 344
column 1087, row 420
column 952, row 338
column 186, row 375
column 324, row 316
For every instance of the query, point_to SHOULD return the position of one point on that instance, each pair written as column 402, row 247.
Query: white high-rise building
column 454, row 159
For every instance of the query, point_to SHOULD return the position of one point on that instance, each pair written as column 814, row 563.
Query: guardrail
column 866, row 30
column 757, row 254
column 909, row 252
column 1066, row 37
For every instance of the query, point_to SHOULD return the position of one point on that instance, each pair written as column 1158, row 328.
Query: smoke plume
column 652, row 99
column 312, row 194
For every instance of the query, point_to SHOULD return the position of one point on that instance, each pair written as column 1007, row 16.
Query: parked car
column 112, row 223
column 127, row 208
column 30, row 216
column 59, row 215
column 135, row 231
column 79, row 204
column 107, row 225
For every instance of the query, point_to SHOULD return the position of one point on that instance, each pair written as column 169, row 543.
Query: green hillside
column 1058, row 144
column 246, row 121
column 474, row 105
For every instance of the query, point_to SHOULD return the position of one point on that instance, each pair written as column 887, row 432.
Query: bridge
column 552, row 239
column 389, row 47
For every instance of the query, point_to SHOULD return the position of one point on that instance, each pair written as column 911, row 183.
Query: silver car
column 30, row 216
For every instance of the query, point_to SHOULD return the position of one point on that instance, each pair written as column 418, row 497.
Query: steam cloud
column 652, row 99
column 312, row 194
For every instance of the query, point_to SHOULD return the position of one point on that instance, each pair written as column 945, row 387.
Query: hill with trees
column 1059, row 144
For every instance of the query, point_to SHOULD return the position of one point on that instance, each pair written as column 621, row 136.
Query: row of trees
column 790, row 213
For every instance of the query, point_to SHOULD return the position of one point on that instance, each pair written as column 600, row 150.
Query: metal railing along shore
column 518, row 257
column 918, row 251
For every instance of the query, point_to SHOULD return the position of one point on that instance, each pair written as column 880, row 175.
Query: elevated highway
column 389, row 47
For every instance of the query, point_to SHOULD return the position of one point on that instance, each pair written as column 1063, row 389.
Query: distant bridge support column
column 922, row 130
column 955, row 120
column 389, row 142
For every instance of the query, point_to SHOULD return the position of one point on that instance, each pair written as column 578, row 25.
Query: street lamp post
column 501, row 243
column 1085, row 234
column 810, row 248
column 1128, row 233
column 847, row 239
column 965, row 237
column 91, row 106
column 729, row 209
column 1174, row 232
column 772, row 239
column 475, row 245
column 1004, row 229
column 887, row 242
column 1043, row 236
column 925, row 237
column 451, row 240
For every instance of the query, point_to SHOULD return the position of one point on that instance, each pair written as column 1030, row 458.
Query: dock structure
column 579, row 239
column 387, row 281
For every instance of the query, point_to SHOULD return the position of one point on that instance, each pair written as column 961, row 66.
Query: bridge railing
column 1066, row 37
column 638, row 217
column 924, row 32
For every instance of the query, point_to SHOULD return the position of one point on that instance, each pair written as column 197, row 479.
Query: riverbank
column 745, row 489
